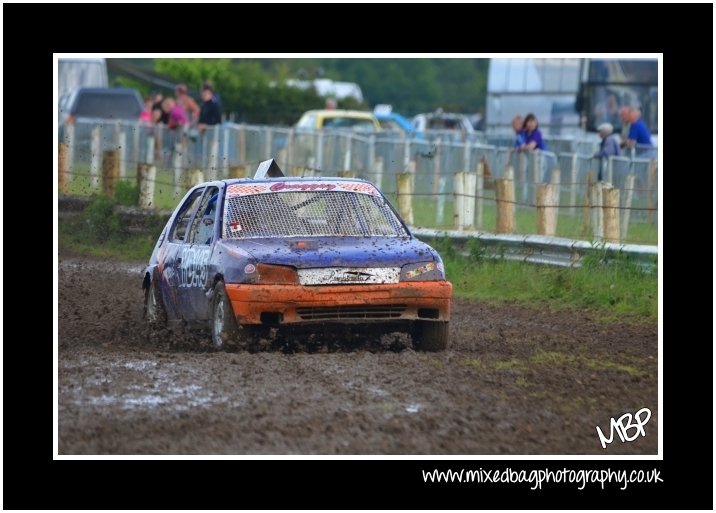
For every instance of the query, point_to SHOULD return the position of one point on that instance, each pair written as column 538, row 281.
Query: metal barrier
column 565, row 187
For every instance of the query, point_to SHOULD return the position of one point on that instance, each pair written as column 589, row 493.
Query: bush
column 126, row 193
column 101, row 221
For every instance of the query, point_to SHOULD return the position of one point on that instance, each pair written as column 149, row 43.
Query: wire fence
column 449, row 181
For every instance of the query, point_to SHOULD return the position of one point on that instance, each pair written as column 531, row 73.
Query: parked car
column 394, row 121
column 240, row 255
column 101, row 103
column 338, row 119
column 440, row 120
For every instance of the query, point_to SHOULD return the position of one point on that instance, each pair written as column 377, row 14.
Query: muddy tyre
column 224, row 330
column 430, row 335
column 154, row 311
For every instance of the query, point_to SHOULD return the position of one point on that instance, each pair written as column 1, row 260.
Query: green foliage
column 126, row 193
column 101, row 221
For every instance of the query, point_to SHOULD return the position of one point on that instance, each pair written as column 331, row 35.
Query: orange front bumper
column 301, row 303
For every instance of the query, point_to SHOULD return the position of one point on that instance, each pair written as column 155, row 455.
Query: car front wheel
column 224, row 330
column 430, row 335
column 155, row 313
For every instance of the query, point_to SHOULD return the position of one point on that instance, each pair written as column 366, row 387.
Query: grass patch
column 617, row 289
column 475, row 363
column 100, row 232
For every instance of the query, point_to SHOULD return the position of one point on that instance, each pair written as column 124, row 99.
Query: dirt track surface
column 515, row 380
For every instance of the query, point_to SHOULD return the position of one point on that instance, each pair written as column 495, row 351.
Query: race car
column 277, row 251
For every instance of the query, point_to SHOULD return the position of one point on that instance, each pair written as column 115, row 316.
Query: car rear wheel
column 224, row 330
column 430, row 335
column 155, row 312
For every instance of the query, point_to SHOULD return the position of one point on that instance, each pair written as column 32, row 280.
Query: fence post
column 458, row 187
column 291, row 165
column 406, row 153
column 225, row 153
column 546, row 211
column 372, row 161
column 629, row 190
column 96, row 158
column 650, row 186
column 146, row 176
column 610, row 169
column 378, row 172
column 610, row 198
column 121, row 145
column 62, row 168
column 213, row 167
column 177, row 167
column 347, row 154
column 466, row 156
column 596, row 202
column 537, row 170
column 70, row 142
column 442, row 195
column 436, row 166
column 479, row 191
column 573, row 185
column 319, row 154
column 405, row 196
column 242, row 144
column 110, row 171
column 505, row 199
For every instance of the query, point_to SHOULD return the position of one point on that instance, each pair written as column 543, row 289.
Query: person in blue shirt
column 638, row 131
column 533, row 136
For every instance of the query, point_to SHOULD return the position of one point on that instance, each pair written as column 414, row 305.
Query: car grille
column 351, row 312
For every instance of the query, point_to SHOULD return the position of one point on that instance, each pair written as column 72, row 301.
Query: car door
column 173, row 272
column 194, row 253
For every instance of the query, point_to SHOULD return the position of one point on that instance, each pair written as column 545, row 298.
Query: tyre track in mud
column 515, row 380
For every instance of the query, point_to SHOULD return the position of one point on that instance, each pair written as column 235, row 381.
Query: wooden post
column 213, row 167
column 237, row 171
column 405, row 196
column 629, row 190
column 650, row 187
column 546, row 211
column 573, row 185
column 406, row 153
column 62, row 168
column 318, row 165
column 479, row 192
column 458, row 186
column 610, row 197
column 587, row 209
column 555, row 182
column 96, row 158
column 596, row 202
column 378, row 172
column 225, row 153
column 242, row 144
column 146, row 176
column 110, row 171
column 347, row 154
column 177, row 166
column 442, row 195
column 505, row 199
column 70, row 142
column 121, row 144
column 436, row 165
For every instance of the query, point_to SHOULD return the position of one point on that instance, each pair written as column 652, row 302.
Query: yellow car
column 339, row 119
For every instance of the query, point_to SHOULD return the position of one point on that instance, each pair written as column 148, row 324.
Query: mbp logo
column 623, row 425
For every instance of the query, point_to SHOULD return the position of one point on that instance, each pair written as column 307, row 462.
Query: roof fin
column 268, row 168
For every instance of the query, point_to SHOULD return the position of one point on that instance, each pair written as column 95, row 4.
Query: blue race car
column 244, row 254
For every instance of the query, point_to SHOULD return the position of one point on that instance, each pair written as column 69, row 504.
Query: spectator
column 638, row 131
column 517, row 123
column 146, row 115
column 625, row 115
column 533, row 136
column 158, row 114
column 210, row 112
column 191, row 108
column 175, row 114
column 610, row 142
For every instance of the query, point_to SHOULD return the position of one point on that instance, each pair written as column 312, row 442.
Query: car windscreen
column 310, row 214
column 347, row 122
column 98, row 105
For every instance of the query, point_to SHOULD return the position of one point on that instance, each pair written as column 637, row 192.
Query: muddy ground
column 515, row 381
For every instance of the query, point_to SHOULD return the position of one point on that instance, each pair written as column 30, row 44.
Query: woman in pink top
column 177, row 116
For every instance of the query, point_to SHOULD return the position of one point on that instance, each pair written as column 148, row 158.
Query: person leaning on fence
column 532, row 134
column 609, row 147
column 191, row 108
column 517, row 123
column 210, row 113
